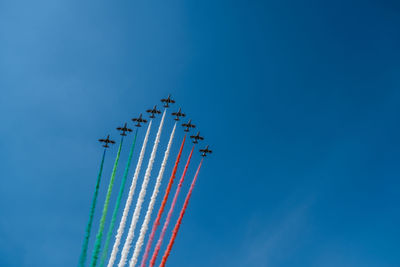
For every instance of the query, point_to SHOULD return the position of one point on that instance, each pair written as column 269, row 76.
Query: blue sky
column 299, row 101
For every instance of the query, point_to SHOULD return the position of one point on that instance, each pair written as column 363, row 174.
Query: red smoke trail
column 178, row 223
column 163, row 203
column 171, row 209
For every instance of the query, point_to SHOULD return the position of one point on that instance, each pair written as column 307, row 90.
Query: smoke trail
column 82, row 258
column 99, row 236
column 145, row 225
column 171, row 209
column 136, row 213
column 163, row 203
column 117, row 204
column 121, row 226
column 178, row 223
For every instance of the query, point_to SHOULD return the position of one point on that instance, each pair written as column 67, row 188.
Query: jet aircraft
column 178, row 114
column 124, row 129
column 139, row 120
column 167, row 101
column 106, row 141
column 188, row 125
column 153, row 111
column 205, row 151
column 196, row 138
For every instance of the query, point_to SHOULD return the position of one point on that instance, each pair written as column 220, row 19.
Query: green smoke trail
column 99, row 236
column 82, row 258
column 117, row 204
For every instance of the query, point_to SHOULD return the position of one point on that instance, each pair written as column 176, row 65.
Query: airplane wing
column 102, row 140
column 201, row 138
column 174, row 113
column 158, row 112
column 129, row 130
column 149, row 110
column 172, row 101
column 112, row 142
column 192, row 136
column 119, row 129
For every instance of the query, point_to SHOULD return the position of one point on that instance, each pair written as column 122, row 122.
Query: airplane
column 106, row 141
column 167, row 101
column 124, row 129
column 205, row 151
column 188, row 125
column 196, row 138
column 139, row 120
column 153, row 111
column 178, row 114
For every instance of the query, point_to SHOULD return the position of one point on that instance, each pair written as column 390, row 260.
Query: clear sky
column 298, row 99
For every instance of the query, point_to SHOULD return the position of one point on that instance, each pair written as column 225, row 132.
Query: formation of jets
column 154, row 111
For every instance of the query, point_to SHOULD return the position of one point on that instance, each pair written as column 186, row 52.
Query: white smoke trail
column 122, row 224
column 145, row 225
column 136, row 213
